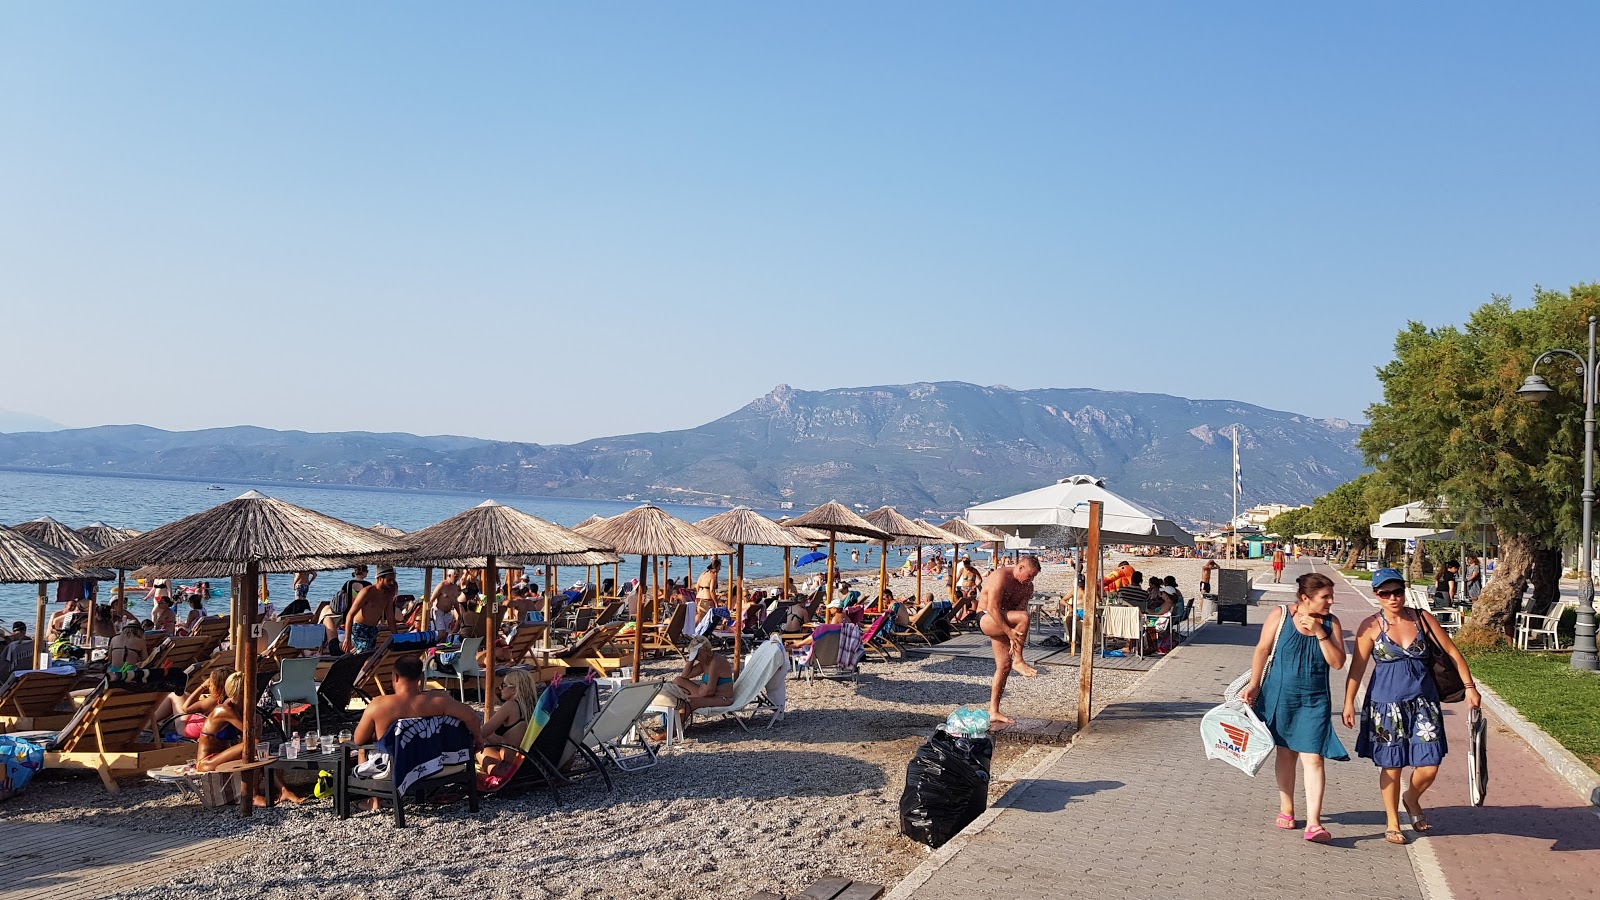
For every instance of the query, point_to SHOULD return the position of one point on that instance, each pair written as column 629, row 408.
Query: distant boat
column 216, row 487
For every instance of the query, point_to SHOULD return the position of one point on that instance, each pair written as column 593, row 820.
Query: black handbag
column 1446, row 678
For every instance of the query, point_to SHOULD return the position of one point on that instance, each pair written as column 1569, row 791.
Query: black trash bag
column 947, row 787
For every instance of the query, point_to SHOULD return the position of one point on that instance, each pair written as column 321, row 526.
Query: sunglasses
column 1386, row 594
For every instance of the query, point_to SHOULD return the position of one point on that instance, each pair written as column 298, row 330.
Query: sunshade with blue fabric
column 1065, row 504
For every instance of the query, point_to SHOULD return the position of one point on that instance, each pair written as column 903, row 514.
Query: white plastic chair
column 466, row 667
column 1532, row 627
column 297, row 683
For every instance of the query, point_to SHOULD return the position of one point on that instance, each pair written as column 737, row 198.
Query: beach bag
column 1243, row 681
column 21, row 759
column 1234, row 734
column 219, row 790
column 947, row 787
column 1441, row 668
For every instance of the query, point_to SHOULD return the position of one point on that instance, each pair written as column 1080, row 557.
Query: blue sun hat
column 1384, row 576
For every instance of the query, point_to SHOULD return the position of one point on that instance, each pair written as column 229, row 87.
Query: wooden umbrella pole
column 883, row 575
column 955, row 560
column 733, row 609
column 918, row 551
column 832, row 536
column 638, row 616
column 427, row 599
column 246, row 657
column 783, row 589
column 491, row 581
column 39, row 645
column 1091, row 572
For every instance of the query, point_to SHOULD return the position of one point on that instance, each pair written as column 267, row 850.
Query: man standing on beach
column 444, row 600
column 1205, row 576
column 373, row 607
column 1003, row 607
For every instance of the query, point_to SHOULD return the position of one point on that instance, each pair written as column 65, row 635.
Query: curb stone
column 914, row 880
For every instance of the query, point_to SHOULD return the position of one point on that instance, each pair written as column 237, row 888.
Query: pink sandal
column 1285, row 821
column 1318, row 835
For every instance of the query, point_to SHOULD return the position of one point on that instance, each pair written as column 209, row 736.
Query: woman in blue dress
column 1293, row 700
column 1401, row 722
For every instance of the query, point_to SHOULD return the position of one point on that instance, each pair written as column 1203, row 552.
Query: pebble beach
column 725, row 813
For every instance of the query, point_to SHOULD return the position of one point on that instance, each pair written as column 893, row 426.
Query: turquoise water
column 144, row 503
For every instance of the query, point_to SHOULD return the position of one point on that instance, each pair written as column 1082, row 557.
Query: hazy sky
column 550, row 222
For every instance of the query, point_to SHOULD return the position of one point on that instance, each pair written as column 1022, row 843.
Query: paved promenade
column 1134, row 809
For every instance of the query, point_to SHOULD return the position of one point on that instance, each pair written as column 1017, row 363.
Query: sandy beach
column 727, row 813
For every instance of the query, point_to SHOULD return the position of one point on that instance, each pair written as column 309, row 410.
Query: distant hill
column 931, row 447
column 11, row 421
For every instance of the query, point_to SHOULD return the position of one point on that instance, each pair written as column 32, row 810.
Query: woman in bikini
column 191, row 709
column 222, row 737
column 519, row 693
column 707, row 678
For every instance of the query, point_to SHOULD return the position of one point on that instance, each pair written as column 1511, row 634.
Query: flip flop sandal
column 1318, row 835
column 1286, row 822
column 1419, row 824
column 1395, row 837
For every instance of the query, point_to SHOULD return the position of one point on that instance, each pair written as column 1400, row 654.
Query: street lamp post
column 1535, row 389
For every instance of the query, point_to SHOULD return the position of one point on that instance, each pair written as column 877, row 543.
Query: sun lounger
column 586, row 651
column 666, row 637
column 104, row 733
column 32, row 701
column 522, row 641
column 750, row 687
column 178, row 654
column 554, row 736
column 377, row 673
column 615, row 732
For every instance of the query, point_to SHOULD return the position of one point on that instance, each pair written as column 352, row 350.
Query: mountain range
column 929, row 448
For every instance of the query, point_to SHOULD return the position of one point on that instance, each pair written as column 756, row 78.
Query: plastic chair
column 466, row 666
column 297, row 683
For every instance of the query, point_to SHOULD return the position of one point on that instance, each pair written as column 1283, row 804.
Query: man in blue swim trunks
column 372, row 608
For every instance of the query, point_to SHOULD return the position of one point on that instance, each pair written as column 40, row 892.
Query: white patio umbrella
column 1066, row 504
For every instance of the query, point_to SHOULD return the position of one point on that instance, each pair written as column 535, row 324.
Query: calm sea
column 144, row 503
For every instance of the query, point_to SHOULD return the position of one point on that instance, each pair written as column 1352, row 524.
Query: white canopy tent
column 1065, row 504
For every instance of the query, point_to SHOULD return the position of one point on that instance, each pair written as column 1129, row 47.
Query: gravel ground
column 727, row 813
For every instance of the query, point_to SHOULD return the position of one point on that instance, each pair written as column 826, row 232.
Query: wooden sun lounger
column 377, row 676
column 31, row 701
column 104, row 735
column 588, row 652
column 523, row 640
column 666, row 637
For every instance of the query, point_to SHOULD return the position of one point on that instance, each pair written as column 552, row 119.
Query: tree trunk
column 1415, row 570
column 1546, row 575
column 1356, row 546
column 1492, row 617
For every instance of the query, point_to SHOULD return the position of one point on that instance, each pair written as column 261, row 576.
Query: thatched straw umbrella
column 103, row 535
column 55, row 535
column 741, row 527
column 930, row 534
column 890, row 520
column 833, row 518
column 815, row 537
column 262, row 535
column 24, row 560
column 493, row 534
column 968, row 533
column 648, row 531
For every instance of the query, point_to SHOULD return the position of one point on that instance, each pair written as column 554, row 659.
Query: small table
column 305, row 762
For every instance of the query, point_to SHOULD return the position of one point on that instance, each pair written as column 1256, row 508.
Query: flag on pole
column 1238, row 473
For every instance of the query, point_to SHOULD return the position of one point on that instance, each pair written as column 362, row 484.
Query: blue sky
column 551, row 222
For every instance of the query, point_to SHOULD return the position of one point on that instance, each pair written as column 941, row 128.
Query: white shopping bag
column 1233, row 734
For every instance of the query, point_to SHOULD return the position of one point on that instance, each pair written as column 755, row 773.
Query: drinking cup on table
column 291, row 750
column 261, row 749
column 312, row 743
column 329, row 742
column 346, row 736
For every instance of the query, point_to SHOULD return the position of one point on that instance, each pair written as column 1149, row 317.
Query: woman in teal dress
column 1294, row 700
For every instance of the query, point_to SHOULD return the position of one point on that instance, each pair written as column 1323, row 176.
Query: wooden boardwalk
column 56, row 861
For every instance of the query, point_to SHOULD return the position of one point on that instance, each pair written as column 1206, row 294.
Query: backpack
column 346, row 595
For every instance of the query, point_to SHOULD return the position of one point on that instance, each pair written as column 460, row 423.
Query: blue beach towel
column 22, row 759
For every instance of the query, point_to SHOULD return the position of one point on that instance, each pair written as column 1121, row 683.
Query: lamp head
column 1535, row 389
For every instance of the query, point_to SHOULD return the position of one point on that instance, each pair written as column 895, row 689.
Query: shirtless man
column 1003, row 604
column 373, row 607
column 410, row 701
column 444, row 601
